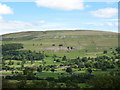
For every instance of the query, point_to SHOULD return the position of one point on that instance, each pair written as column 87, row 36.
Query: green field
column 88, row 45
column 80, row 40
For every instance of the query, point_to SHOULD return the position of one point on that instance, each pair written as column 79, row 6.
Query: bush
column 69, row 70
column 12, row 46
column 103, row 81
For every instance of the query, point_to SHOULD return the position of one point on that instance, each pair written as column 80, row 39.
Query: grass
column 82, row 85
column 80, row 40
column 8, row 72
column 100, row 72
column 88, row 40
column 47, row 74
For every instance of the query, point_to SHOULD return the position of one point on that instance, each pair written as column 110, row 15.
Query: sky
column 42, row 15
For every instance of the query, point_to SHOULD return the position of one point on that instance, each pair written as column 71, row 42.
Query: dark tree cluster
column 11, row 46
column 22, row 55
column 100, row 62
column 103, row 81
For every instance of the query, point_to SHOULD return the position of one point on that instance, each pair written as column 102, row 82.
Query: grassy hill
column 49, row 41
column 102, row 66
column 37, row 35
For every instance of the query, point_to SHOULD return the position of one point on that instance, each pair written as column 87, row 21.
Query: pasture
column 85, row 52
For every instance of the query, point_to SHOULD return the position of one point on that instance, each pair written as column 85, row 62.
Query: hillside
column 79, row 40
column 37, row 35
column 55, row 57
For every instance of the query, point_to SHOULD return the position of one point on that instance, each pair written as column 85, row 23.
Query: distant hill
column 79, row 40
column 38, row 35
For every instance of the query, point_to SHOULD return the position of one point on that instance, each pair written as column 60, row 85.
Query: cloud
column 110, row 24
column 39, row 22
column 62, row 4
column 105, row 12
column 14, row 25
column 11, row 26
column 4, row 9
column 114, row 19
column 17, row 26
column 109, row 2
column 1, row 18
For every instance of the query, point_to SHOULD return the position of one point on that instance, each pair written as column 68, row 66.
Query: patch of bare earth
column 60, row 48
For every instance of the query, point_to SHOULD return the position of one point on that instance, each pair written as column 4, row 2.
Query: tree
column 71, row 48
column 10, row 62
column 11, row 46
column 89, row 70
column 70, row 84
column 41, row 84
column 39, row 69
column 12, row 72
column 22, row 66
column 28, row 71
column 43, row 62
column 104, row 68
column 105, row 81
column 52, row 84
column 69, row 70
column 53, row 44
column 22, row 55
column 52, row 69
column 22, row 80
column 54, row 56
column 104, row 52
column 30, row 75
column 84, row 59
column 18, row 63
column 5, row 83
column 58, row 60
column 64, row 58
column 60, row 45
column 68, row 47
column 32, row 61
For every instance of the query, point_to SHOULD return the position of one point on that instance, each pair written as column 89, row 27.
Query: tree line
column 12, row 51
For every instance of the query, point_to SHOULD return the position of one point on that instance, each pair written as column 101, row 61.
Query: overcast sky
column 40, row 15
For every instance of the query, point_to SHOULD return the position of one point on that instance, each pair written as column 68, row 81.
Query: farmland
column 58, row 57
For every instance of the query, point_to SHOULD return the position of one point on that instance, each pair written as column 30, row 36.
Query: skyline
column 58, row 15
